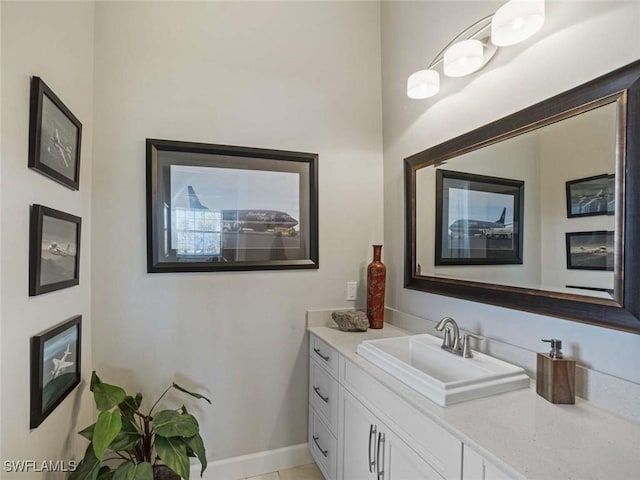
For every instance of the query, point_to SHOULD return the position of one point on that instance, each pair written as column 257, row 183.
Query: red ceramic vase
column 376, row 277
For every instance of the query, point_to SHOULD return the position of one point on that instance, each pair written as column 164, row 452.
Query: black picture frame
column 229, row 208
column 54, row 250
column 55, row 136
column 590, row 196
column 52, row 378
column 590, row 250
column 479, row 219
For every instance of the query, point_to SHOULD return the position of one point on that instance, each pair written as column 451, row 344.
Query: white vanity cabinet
column 361, row 430
column 369, row 450
column 323, row 406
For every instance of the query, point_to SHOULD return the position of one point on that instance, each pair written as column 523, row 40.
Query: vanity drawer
column 323, row 445
column 323, row 394
column 324, row 355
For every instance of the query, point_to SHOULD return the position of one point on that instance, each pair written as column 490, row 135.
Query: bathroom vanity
column 364, row 423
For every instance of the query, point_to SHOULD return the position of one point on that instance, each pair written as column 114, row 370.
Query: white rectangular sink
column 441, row 376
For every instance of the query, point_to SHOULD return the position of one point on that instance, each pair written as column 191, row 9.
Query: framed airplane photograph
column 55, row 136
column 479, row 219
column 590, row 250
column 591, row 196
column 221, row 208
column 55, row 367
column 54, row 250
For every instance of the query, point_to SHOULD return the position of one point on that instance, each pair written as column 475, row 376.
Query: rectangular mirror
column 533, row 211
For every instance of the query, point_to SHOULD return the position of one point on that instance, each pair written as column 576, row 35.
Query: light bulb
column 463, row 58
column 423, row 84
column 516, row 21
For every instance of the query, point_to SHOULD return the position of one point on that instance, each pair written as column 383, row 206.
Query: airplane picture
column 466, row 227
column 63, row 151
column 59, row 364
column 590, row 250
column 591, row 196
column 55, row 249
column 601, row 249
column 257, row 220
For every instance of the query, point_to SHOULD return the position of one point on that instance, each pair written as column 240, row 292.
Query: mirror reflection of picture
column 590, row 250
column 591, row 196
column 479, row 219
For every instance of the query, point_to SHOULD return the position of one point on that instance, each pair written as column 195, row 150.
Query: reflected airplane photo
column 466, row 227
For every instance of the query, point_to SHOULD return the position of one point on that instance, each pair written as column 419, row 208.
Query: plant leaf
column 88, row 432
column 173, row 452
column 196, row 444
column 130, row 405
column 196, row 395
column 106, row 396
column 94, row 380
column 107, row 428
column 134, row 471
column 88, row 467
column 169, row 423
column 128, row 436
column 105, row 473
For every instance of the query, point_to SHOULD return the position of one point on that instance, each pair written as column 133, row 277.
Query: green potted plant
column 129, row 444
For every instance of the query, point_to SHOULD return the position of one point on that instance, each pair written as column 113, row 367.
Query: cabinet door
column 404, row 463
column 475, row 467
column 358, row 440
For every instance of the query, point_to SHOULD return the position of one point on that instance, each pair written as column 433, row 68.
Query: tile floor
column 304, row 472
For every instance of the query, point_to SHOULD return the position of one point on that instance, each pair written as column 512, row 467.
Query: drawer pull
column 372, row 434
column 379, row 469
column 317, row 390
column 323, row 452
column 325, row 358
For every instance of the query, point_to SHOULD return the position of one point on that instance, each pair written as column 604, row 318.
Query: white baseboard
column 237, row 468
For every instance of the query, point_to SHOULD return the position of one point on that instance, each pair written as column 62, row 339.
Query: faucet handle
column 466, row 349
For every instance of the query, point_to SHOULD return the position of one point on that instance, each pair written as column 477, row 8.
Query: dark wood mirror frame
column 623, row 313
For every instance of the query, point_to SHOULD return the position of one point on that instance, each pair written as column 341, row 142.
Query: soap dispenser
column 555, row 380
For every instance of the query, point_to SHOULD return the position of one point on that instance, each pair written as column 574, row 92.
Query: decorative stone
column 351, row 320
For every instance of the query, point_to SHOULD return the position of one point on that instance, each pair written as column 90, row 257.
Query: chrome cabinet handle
column 317, row 390
column 372, row 433
column 323, row 452
column 317, row 350
column 380, row 470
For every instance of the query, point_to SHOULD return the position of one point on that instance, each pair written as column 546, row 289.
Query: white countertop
column 521, row 430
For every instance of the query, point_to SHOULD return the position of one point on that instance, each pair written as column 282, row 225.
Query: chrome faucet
column 452, row 341
column 448, row 343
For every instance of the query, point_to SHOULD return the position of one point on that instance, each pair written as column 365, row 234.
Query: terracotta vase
column 376, row 277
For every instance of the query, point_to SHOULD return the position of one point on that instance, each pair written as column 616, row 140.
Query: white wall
column 579, row 41
column 286, row 75
column 53, row 40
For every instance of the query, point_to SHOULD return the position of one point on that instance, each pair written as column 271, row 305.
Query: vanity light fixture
column 469, row 51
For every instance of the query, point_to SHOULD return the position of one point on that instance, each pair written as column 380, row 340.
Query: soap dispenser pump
column 555, row 380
